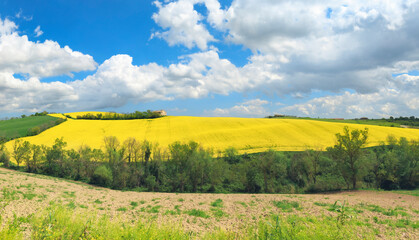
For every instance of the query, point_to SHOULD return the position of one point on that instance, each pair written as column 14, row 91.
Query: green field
column 374, row 122
column 15, row 128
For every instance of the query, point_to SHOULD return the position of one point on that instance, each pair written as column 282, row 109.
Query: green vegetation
column 217, row 203
column 197, row 213
column 187, row 167
column 389, row 122
column 119, row 116
column 26, row 126
column 287, row 206
column 60, row 222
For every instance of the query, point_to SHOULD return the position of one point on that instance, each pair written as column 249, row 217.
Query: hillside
column 245, row 134
column 40, row 207
column 19, row 127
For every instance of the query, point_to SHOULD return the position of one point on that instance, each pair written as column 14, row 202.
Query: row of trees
column 188, row 167
column 119, row 116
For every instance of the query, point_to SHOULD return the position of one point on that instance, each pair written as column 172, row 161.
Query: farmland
column 245, row 134
column 40, row 207
column 20, row 127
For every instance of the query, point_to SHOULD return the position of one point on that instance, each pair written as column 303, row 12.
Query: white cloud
column 250, row 108
column 183, row 23
column 38, row 32
column 19, row 55
column 398, row 99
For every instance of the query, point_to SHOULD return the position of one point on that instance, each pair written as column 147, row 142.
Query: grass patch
column 121, row 209
column 408, row 192
column 218, row 213
column 29, row 196
column 217, row 203
column 287, row 206
column 9, row 195
column 154, row 209
column 15, row 128
column 321, row 204
column 241, row 203
column 197, row 213
column 97, row 201
column 134, row 204
column 71, row 205
column 69, row 194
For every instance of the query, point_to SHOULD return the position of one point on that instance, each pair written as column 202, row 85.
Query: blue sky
column 243, row 58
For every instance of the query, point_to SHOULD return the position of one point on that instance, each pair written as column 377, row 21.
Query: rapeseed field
column 245, row 134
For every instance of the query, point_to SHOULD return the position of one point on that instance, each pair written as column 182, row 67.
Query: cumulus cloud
column 250, row 108
column 297, row 47
column 20, row 55
column 183, row 23
column 401, row 99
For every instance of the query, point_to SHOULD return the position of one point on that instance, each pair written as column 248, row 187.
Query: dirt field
column 203, row 212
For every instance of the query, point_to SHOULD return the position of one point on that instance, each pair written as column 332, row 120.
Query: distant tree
column 348, row 151
column 130, row 148
column 4, row 155
column 18, row 154
column 111, row 148
column 37, row 155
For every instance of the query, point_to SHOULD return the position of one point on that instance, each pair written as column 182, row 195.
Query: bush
column 5, row 159
column 102, row 176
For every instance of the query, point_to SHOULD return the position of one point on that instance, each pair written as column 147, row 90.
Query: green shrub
column 102, row 176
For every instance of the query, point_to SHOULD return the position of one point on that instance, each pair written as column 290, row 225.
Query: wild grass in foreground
column 60, row 222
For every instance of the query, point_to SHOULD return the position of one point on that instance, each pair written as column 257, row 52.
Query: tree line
column 188, row 167
column 119, row 116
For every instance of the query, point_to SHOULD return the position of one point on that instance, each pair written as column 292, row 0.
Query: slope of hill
column 15, row 128
column 40, row 207
column 245, row 134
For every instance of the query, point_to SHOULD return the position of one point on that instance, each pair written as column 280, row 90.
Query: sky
column 232, row 58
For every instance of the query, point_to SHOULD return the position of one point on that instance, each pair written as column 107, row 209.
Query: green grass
column 15, row 128
column 197, row 213
column 59, row 222
column 218, row 213
column 217, row 203
column 242, row 203
column 287, row 206
column 29, row 196
column 122, row 209
column 408, row 192
column 375, row 122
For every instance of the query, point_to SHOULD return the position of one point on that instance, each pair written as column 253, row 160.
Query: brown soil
column 240, row 209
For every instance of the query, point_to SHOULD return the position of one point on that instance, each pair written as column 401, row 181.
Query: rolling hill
column 245, row 134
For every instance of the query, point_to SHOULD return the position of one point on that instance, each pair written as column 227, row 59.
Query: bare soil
column 36, row 192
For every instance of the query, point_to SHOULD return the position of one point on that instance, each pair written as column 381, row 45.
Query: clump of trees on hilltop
column 119, row 116
column 188, row 167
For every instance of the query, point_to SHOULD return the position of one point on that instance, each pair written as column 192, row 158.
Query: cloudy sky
column 246, row 58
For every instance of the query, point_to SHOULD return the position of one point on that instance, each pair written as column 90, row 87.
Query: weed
column 218, row 213
column 29, row 196
column 286, row 205
column 320, row 204
column 217, row 203
column 134, row 204
column 122, row 209
column 197, row 213
column 242, row 203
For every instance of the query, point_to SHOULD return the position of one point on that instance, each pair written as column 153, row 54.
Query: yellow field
column 245, row 134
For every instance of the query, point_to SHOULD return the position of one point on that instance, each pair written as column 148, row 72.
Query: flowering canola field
column 245, row 134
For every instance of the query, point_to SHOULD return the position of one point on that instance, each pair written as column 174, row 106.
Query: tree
column 348, row 151
column 130, row 146
column 111, row 147
column 21, row 151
